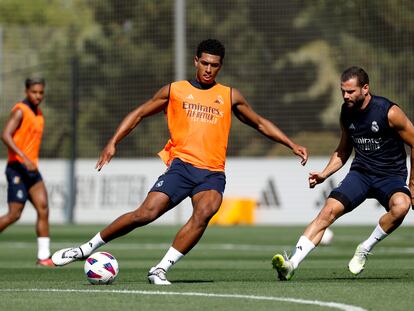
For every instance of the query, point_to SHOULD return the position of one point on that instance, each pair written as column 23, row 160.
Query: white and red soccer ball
column 101, row 268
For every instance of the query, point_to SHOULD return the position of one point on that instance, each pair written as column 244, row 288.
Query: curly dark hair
column 211, row 46
column 34, row 80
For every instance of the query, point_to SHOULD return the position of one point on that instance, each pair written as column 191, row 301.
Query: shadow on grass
column 191, row 281
column 355, row 279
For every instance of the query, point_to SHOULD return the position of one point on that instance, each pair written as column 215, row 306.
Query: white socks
column 92, row 245
column 303, row 248
column 376, row 236
column 171, row 257
column 43, row 248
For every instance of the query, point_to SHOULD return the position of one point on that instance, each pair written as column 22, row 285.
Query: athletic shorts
column 357, row 186
column 183, row 179
column 19, row 181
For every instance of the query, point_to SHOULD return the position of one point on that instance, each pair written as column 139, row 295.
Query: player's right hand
column 106, row 155
column 30, row 165
column 315, row 178
column 301, row 152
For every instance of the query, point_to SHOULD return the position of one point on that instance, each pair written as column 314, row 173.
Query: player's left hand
column 301, row 152
column 106, row 155
column 315, row 178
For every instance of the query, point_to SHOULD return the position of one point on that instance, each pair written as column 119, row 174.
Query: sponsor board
column 279, row 186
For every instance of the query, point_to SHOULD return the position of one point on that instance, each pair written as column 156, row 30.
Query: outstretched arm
column 156, row 104
column 245, row 113
column 337, row 160
column 400, row 122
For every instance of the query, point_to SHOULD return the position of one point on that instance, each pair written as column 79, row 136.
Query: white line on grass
column 206, row 246
column 335, row 305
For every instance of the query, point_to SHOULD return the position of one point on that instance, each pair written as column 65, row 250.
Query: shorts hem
column 341, row 198
column 172, row 201
column 207, row 189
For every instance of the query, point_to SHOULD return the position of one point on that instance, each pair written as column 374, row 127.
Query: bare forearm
column 126, row 126
column 9, row 142
column 270, row 130
column 335, row 163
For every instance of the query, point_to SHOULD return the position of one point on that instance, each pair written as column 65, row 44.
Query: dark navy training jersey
column 379, row 150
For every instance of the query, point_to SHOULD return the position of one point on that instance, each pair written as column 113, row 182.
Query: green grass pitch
column 230, row 269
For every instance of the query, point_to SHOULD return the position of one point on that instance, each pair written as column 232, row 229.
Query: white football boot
column 357, row 263
column 67, row 255
column 283, row 267
column 157, row 276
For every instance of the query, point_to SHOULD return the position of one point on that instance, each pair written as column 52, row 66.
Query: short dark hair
column 211, row 46
column 355, row 72
column 34, row 80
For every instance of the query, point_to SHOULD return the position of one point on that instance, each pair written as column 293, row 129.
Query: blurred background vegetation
column 284, row 56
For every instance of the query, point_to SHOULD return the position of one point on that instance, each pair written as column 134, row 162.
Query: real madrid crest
column 374, row 126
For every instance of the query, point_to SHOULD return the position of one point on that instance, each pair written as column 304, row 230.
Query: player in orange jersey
column 22, row 136
column 199, row 116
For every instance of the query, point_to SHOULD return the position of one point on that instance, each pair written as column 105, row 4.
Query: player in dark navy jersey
column 377, row 130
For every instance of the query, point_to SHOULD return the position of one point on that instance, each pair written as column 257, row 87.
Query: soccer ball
column 101, row 268
column 327, row 237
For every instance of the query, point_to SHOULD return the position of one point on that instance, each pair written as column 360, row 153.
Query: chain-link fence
column 102, row 58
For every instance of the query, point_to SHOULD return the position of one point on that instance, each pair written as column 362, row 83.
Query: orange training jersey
column 28, row 135
column 199, row 122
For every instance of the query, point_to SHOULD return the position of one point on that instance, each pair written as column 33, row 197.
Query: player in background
column 22, row 135
column 199, row 116
column 376, row 129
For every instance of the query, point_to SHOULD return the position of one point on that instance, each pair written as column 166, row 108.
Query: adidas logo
column 219, row 100
column 299, row 247
column 352, row 126
column 171, row 261
column 269, row 196
column 190, row 96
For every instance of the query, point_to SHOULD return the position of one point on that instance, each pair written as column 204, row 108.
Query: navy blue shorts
column 19, row 181
column 357, row 186
column 182, row 180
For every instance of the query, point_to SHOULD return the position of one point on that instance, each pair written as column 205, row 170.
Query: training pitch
column 230, row 269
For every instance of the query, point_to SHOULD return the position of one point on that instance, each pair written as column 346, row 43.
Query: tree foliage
column 284, row 56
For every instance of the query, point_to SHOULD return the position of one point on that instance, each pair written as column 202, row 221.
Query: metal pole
column 180, row 40
column 74, row 146
column 180, row 58
column 1, row 61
